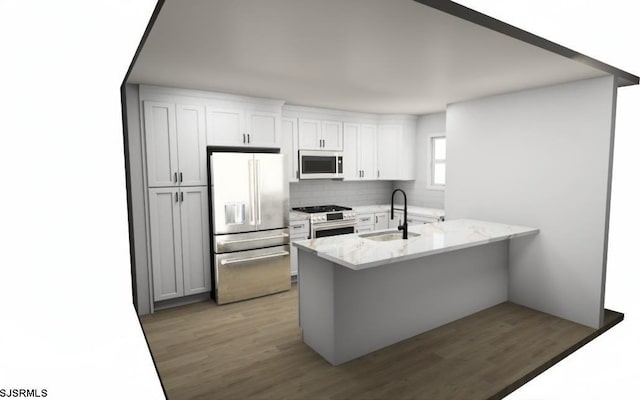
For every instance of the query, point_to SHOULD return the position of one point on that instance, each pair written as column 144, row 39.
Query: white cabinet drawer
column 365, row 219
column 299, row 228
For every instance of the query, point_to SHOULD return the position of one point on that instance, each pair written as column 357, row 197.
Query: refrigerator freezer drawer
column 250, row 240
column 248, row 274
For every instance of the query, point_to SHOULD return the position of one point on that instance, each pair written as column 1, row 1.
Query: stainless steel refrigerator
column 249, row 218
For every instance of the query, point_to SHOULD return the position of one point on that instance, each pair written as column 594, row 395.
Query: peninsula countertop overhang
column 355, row 252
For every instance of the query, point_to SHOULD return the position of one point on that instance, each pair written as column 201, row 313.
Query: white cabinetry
column 316, row 134
column 290, row 146
column 389, row 145
column 237, row 126
column 365, row 222
column 298, row 230
column 381, row 221
column 179, row 242
column 360, row 151
column 396, row 147
column 175, row 143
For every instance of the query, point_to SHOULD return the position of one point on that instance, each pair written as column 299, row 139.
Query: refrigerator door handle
column 252, row 195
column 257, row 180
column 241, row 260
column 282, row 235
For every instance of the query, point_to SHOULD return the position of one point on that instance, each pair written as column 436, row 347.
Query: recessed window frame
column 431, row 161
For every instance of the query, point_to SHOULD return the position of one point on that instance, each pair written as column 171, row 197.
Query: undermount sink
column 386, row 236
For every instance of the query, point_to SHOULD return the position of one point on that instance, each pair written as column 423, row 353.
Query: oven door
column 332, row 229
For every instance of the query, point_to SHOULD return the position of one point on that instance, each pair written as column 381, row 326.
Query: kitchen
column 381, row 151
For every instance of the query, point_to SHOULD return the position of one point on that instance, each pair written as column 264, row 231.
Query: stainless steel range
column 329, row 220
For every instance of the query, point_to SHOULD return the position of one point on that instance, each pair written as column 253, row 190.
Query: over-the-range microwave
column 320, row 164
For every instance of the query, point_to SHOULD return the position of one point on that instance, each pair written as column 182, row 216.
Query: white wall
column 136, row 169
column 417, row 192
column 540, row 158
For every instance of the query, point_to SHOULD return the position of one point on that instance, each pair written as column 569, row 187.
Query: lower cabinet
column 381, row 221
column 179, row 231
column 365, row 223
column 372, row 222
column 298, row 230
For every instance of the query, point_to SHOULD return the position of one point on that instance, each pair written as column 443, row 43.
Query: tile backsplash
column 319, row 192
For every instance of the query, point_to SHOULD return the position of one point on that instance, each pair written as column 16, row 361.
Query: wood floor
column 254, row 350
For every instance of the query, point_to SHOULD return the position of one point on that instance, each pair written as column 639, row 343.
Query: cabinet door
column 166, row 252
column 225, row 127
column 331, row 135
column 351, row 152
column 368, row 148
column 263, row 129
column 381, row 221
column 161, row 143
column 290, row 147
column 192, row 145
column 308, row 134
column 388, row 151
column 194, row 228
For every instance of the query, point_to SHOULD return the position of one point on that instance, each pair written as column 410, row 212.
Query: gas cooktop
column 321, row 209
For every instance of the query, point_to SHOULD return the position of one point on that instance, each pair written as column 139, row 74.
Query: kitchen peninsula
column 358, row 294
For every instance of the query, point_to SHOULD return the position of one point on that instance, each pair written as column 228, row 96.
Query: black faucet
column 403, row 223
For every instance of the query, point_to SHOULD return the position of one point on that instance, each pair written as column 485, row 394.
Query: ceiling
column 380, row 56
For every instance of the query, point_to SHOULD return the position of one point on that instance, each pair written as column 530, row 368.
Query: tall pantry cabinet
column 175, row 137
column 177, row 125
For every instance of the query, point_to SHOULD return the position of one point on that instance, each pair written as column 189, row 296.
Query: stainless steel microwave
column 320, row 164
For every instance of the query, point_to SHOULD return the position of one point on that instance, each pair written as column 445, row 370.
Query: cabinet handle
column 376, row 219
column 320, row 142
column 176, row 197
column 181, row 196
column 297, row 226
column 378, row 173
column 180, row 176
column 365, row 219
column 248, row 138
column 244, row 138
column 175, row 177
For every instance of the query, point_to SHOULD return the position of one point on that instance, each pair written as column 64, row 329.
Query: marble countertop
column 359, row 253
column 429, row 212
column 425, row 211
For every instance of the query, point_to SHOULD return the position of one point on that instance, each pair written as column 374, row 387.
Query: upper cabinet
column 396, row 147
column 375, row 147
column 389, row 145
column 319, row 134
column 175, row 143
column 290, row 147
column 232, row 126
column 360, row 147
column 192, row 145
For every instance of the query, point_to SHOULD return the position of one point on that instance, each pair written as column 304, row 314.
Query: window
column 437, row 162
